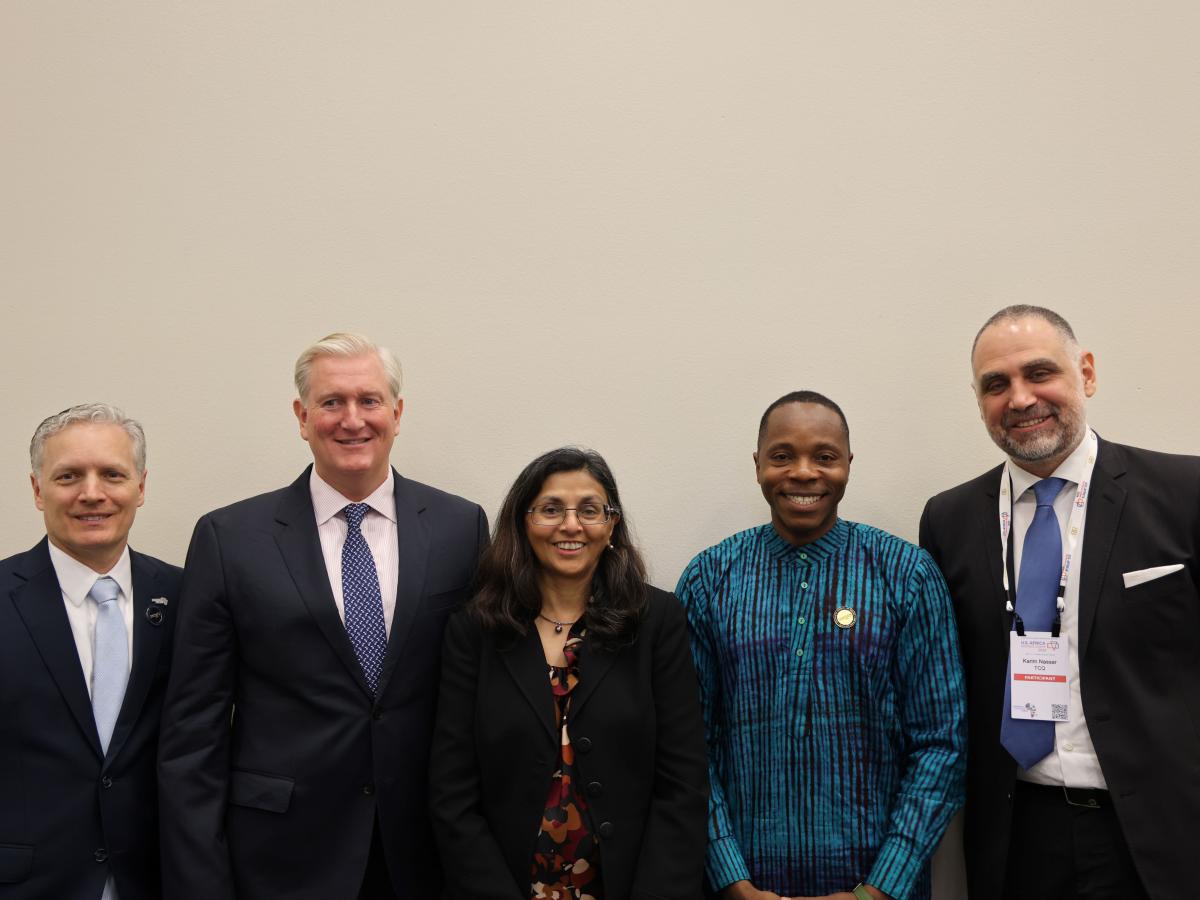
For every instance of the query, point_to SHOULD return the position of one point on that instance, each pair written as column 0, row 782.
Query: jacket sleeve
column 671, row 860
column 193, row 759
column 473, row 862
column 724, row 863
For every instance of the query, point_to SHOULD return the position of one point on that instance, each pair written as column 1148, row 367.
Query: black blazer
column 281, row 802
column 639, row 742
column 1139, row 656
column 68, row 814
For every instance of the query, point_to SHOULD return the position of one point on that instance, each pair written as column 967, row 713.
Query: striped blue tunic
column 836, row 755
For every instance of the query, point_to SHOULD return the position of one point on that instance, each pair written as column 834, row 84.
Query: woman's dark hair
column 507, row 596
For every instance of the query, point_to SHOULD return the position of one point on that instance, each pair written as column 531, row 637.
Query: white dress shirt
column 1073, row 761
column 378, row 530
column 75, row 580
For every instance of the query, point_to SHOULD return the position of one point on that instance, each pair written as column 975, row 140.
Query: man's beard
column 1045, row 445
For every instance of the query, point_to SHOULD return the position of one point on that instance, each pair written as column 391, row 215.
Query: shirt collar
column 1070, row 469
column 821, row 549
column 76, row 579
column 328, row 501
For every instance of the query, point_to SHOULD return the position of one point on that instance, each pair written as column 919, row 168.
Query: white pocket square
column 1141, row 576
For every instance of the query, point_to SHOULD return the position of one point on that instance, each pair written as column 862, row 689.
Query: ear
column 1087, row 369
column 301, row 412
column 396, row 419
column 142, row 489
column 37, row 492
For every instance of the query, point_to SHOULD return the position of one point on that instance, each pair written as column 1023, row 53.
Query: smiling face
column 1031, row 384
column 803, row 464
column 88, row 490
column 570, row 550
column 350, row 421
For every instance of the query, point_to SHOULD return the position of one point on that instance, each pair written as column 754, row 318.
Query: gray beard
column 1041, row 447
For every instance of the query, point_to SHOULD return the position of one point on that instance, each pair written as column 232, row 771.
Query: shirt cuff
column 724, row 863
column 896, row 869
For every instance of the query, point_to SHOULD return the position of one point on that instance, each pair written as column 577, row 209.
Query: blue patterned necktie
column 361, row 599
column 110, row 658
column 1029, row 740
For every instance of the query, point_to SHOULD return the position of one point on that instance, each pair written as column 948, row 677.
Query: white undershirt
column 378, row 530
column 1073, row 761
column 75, row 580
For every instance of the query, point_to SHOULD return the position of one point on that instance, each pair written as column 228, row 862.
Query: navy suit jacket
column 70, row 815
column 276, row 760
column 1139, row 656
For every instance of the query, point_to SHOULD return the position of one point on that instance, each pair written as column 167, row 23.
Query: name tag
column 1039, row 676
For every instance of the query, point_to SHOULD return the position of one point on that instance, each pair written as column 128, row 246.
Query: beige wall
column 627, row 225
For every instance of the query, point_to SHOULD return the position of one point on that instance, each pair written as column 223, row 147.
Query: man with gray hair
column 85, row 648
column 297, row 727
column 1073, row 567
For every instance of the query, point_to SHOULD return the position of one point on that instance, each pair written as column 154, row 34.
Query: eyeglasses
column 550, row 513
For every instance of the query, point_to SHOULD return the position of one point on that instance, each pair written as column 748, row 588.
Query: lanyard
column 1078, row 510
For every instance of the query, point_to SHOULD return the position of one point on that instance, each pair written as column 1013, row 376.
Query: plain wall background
column 625, row 225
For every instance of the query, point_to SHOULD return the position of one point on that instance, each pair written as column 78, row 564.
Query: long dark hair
column 507, row 595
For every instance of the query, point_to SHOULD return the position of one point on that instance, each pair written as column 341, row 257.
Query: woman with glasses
column 569, row 756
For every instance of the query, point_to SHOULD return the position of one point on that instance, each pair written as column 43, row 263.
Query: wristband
column 860, row 892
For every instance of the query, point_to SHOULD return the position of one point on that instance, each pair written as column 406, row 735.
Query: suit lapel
column 992, row 561
column 526, row 663
column 1106, row 499
column 594, row 664
column 39, row 603
column 296, row 536
column 147, row 641
column 412, row 534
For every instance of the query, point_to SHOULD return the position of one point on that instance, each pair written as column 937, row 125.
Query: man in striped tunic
column 831, row 685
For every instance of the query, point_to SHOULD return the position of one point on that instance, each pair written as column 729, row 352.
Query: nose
column 352, row 418
column 90, row 488
column 1020, row 395
column 570, row 522
column 803, row 469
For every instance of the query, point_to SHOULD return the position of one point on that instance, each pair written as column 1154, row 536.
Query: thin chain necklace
column 559, row 626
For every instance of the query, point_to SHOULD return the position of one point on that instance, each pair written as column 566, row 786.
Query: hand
column 744, row 890
column 846, row 895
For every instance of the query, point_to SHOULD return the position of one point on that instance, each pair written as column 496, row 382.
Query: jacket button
column 101, row 855
column 106, row 781
column 595, row 789
column 606, row 829
column 584, row 745
column 368, row 789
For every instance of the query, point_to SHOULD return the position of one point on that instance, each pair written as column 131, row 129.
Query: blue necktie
column 361, row 599
column 1029, row 740
column 110, row 658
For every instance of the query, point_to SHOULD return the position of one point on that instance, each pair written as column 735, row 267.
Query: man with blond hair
column 297, row 724
column 85, row 647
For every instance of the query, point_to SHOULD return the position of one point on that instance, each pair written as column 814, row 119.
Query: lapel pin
column 844, row 617
column 161, row 601
column 154, row 615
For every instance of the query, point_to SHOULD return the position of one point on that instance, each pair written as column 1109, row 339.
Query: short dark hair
column 802, row 397
column 507, row 596
column 1025, row 311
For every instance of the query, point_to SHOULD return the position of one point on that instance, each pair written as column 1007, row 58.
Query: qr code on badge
column 1058, row 712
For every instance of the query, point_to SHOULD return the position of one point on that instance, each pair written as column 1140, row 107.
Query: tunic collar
column 812, row 553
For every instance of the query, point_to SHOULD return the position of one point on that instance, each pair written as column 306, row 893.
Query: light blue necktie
column 110, row 658
column 361, row 599
column 1029, row 740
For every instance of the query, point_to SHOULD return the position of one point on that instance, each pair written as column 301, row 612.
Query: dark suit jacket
column 281, row 802
column 639, row 749
column 70, row 815
column 1139, row 656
